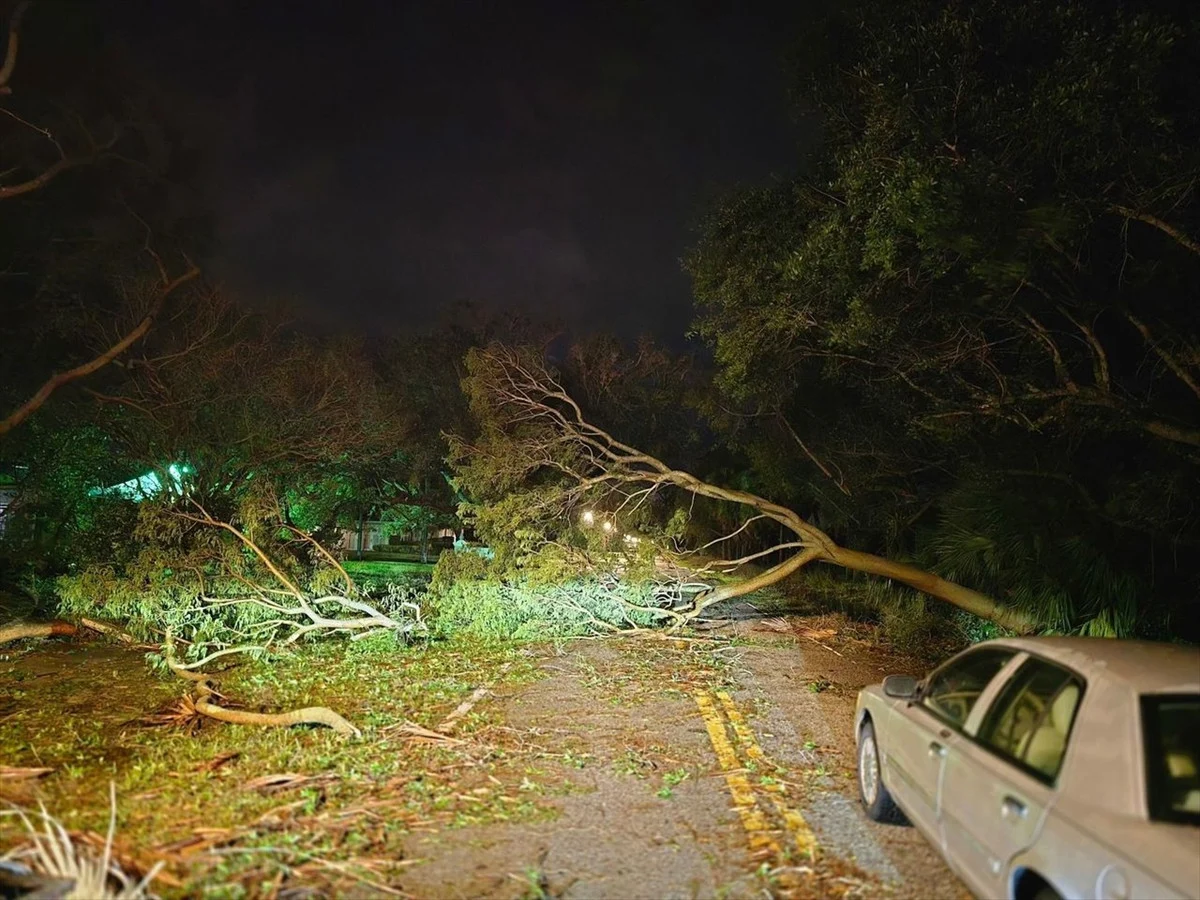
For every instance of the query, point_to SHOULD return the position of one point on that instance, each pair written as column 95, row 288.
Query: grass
column 385, row 570
column 202, row 803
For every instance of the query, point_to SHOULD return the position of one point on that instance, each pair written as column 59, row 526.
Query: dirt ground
column 720, row 765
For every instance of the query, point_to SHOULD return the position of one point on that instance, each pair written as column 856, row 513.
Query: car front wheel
column 876, row 799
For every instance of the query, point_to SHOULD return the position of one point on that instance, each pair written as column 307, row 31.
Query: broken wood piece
column 19, row 630
column 204, row 691
column 447, row 724
column 284, row 781
column 417, row 732
column 112, row 631
column 22, row 772
column 217, row 761
column 309, row 715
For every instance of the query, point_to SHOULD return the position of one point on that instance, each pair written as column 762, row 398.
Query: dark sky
column 379, row 162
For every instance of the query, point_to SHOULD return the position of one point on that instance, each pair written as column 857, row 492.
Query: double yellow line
column 764, row 813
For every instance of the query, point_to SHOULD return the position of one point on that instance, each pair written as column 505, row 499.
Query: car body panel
column 1088, row 833
column 992, row 811
column 912, row 767
column 1078, row 862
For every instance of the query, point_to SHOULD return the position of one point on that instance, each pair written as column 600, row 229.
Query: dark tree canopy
column 979, row 290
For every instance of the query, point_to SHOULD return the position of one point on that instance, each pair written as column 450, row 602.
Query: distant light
column 589, row 517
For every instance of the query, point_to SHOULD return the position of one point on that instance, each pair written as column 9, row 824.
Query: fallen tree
column 255, row 588
column 535, row 440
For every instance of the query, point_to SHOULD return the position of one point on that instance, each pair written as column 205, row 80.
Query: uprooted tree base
column 533, row 429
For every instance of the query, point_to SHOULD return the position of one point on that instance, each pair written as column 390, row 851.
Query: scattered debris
column 55, row 863
column 416, row 732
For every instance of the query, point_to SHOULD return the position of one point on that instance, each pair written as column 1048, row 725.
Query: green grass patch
column 386, row 570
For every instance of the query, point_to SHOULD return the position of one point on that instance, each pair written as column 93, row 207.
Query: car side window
column 1030, row 722
column 953, row 690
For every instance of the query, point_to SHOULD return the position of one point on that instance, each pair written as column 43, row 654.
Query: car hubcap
column 868, row 768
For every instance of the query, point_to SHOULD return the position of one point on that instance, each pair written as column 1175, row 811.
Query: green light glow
column 146, row 486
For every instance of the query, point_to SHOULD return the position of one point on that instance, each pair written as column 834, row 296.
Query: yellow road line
column 799, row 829
column 753, row 821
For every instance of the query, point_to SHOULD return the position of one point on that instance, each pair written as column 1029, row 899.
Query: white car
column 1046, row 768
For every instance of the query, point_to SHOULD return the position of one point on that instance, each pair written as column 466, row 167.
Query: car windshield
column 1171, row 725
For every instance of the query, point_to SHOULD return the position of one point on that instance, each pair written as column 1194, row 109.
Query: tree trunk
column 935, row 586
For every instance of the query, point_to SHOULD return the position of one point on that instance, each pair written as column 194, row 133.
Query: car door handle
column 936, row 749
column 1012, row 808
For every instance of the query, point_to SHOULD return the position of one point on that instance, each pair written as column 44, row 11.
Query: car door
column 920, row 732
column 998, row 784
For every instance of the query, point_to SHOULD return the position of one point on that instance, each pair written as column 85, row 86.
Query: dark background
column 376, row 164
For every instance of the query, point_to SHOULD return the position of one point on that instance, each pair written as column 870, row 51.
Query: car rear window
column 1171, row 727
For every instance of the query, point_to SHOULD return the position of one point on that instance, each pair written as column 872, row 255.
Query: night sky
column 378, row 163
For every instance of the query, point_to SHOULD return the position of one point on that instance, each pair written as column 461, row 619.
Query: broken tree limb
column 203, row 692
column 19, row 630
column 309, row 715
column 111, row 631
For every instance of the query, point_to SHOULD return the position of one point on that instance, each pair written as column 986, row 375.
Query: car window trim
column 994, row 689
column 1021, row 766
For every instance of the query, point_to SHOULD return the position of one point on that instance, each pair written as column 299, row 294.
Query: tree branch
column 1154, row 222
column 34, row 403
column 526, row 395
column 1165, row 355
column 14, row 40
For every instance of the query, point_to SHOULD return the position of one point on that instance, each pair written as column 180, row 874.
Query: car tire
column 876, row 799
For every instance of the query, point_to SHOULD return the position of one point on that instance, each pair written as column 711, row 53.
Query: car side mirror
column 902, row 687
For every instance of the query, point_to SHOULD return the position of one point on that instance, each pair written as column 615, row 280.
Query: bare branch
column 1165, row 355
column 14, row 40
column 841, row 485
column 1154, row 222
column 34, row 403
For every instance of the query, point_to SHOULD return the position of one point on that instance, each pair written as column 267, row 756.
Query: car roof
column 1148, row 667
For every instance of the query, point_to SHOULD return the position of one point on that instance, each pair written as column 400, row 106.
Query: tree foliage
column 979, row 288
